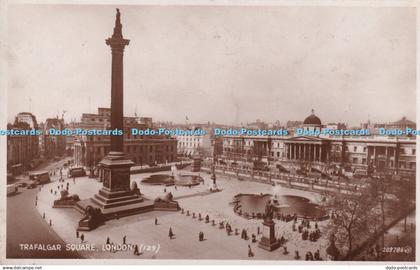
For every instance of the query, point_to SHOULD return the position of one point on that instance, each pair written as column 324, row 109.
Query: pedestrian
column 77, row 234
column 51, row 191
column 82, row 238
column 50, row 222
column 171, row 234
column 36, row 202
column 107, row 240
column 43, row 215
column 258, row 230
column 250, row 253
column 124, row 239
column 156, row 221
column 136, row 250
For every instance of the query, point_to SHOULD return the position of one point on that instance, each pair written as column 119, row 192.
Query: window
column 364, row 161
column 355, row 160
column 413, row 151
column 355, row 149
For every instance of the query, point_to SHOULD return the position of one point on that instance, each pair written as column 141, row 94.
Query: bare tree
column 351, row 217
column 406, row 195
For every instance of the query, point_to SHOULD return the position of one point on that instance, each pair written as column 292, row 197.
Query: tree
column 377, row 190
column 351, row 217
column 406, row 195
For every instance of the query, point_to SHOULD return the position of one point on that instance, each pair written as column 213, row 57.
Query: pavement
column 153, row 239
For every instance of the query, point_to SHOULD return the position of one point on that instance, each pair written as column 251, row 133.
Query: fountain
column 174, row 179
column 253, row 206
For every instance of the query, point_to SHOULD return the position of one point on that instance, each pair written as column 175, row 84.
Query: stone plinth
column 268, row 240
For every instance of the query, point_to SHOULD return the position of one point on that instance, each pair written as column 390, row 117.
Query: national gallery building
column 390, row 153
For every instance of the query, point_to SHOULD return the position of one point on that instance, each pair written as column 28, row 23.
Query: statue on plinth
column 269, row 211
column 268, row 240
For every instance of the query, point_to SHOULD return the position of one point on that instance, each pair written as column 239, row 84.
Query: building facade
column 53, row 145
column 386, row 153
column 141, row 149
column 197, row 144
column 22, row 150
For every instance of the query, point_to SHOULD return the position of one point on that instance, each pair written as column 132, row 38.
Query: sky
column 223, row 64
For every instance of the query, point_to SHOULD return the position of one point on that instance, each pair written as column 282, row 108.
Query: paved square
column 141, row 230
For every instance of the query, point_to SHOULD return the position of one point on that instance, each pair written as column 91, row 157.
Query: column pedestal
column 268, row 240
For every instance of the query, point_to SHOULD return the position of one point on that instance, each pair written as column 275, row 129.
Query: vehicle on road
column 22, row 184
column 12, row 189
column 40, row 177
column 31, row 185
column 76, row 172
column 359, row 173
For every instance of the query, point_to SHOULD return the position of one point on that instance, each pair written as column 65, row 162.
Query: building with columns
column 390, row 153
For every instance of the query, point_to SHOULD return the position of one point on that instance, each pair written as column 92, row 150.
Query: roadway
column 26, row 226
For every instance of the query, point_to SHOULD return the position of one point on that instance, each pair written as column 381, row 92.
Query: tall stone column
column 116, row 197
column 314, row 152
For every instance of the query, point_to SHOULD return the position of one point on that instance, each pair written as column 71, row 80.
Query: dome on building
column 312, row 120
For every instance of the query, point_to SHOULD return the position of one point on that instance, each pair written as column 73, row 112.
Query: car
column 31, row 185
column 76, row 172
column 360, row 174
column 12, row 189
column 23, row 184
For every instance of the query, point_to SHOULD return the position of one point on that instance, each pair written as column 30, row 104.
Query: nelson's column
column 116, row 197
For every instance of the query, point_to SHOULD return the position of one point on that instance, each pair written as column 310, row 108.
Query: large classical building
column 391, row 153
column 141, row 149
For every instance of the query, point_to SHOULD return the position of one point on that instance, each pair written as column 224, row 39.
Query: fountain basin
column 168, row 180
column 253, row 206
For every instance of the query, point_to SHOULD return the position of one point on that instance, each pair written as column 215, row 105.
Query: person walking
column 124, row 239
column 82, row 238
column 171, row 234
column 108, row 240
column 250, row 253
column 156, row 221
column 136, row 250
column 77, row 234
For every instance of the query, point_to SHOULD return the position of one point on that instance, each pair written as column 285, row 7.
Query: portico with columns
column 306, row 149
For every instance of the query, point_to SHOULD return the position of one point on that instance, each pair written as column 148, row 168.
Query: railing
column 291, row 180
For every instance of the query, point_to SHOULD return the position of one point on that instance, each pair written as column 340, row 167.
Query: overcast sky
column 216, row 63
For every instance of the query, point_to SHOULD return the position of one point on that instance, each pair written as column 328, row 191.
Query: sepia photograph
column 207, row 132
